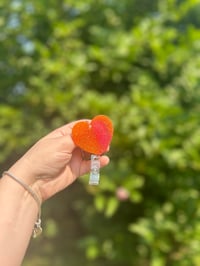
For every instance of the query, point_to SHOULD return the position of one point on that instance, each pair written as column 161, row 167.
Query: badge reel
column 94, row 170
column 93, row 137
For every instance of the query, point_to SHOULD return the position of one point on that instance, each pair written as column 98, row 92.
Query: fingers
column 64, row 130
column 104, row 160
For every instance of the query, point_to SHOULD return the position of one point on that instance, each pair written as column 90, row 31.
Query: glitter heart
column 94, row 136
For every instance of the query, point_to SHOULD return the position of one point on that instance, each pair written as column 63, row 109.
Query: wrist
column 18, row 215
column 22, row 192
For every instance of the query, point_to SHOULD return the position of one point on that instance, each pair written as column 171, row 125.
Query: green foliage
column 137, row 62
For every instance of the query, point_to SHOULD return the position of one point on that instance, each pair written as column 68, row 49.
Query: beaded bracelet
column 37, row 230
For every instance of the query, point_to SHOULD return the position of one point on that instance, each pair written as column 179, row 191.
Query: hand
column 55, row 162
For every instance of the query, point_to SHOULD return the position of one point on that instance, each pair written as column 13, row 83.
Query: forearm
column 18, row 213
column 51, row 165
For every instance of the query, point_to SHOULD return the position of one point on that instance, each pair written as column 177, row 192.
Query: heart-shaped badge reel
column 93, row 137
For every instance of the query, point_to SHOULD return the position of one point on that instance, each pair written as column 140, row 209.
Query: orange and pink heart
column 93, row 136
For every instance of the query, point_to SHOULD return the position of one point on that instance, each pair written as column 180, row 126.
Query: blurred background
column 138, row 62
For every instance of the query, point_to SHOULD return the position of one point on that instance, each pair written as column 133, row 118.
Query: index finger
column 64, row 130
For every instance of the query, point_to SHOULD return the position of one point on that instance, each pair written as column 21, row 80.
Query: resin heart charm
column 93, row 136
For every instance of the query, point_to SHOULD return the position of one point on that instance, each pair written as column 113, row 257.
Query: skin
column 51, row 165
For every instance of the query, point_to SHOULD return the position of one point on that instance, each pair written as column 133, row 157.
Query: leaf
column 100, row 202
column 111, row 207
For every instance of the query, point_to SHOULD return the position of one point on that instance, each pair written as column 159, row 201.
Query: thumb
column 66, row 143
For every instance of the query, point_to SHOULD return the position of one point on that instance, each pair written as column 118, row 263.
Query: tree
column 137, row 62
